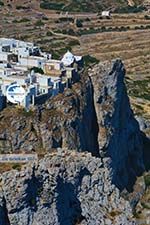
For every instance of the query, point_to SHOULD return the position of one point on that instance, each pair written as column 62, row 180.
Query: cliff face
column 94, row 115
column 68, row 120
column 67, row 187
column 64, row 188
column 119, row 135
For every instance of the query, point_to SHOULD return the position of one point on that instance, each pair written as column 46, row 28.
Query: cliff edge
column 119, row 134
column 93, row 148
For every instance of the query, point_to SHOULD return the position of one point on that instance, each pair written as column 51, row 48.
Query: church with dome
column 70, row 60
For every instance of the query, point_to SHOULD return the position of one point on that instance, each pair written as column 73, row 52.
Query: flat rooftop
column 34, row 57
column 53, row 61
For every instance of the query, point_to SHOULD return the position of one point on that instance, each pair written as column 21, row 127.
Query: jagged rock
column 119, row 134
column 142, row 123
column 68, row 187
column 68, row 120
column 95, row 116
column 61, row 189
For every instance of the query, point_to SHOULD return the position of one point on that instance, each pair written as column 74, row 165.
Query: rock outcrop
column 94, row 115
column 119, row 135
column 68, row 187
column 64, row 188
column 68, row 120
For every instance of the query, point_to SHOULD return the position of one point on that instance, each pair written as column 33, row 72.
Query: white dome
column 68, row 58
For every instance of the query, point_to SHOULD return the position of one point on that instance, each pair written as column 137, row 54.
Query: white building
column 32, row 61
column 106, row 14
column 7, row 81
column 22, row 96
column 57, row 85
column 70, row 60
column 53, row 67
column 13, row 43
column 5, row 56
column 45, row 84
column 21, row 52
column 19, row 48
column 17, row 58
column 30, row 97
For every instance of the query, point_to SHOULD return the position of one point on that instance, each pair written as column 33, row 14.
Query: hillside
column 76, row 5
column 124, row 35
column 87, row 6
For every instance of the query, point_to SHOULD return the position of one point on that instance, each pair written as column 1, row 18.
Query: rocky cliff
column 68, row 120
column 94, row 115
column 68, row 187
column 119, row 135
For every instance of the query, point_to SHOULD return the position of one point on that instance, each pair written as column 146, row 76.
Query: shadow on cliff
column 146, row 151
column 146, row 161
column 88, row 127
column 120, row 137
column 4, row 220
column 34, row 188
column 68, row 205
column 134, row 168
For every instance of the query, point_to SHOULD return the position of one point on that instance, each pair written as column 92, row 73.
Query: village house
column 25, row 68
column 70, row 60
column 106, row 14
column 32, row 61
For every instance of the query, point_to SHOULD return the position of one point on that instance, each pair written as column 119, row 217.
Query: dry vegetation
column 124, row 36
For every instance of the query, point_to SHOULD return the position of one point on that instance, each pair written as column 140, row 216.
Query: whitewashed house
column 45, row 84
column 5, row 56
column 17, row 58
column 32, row 61
column 70, row 60
column 53, row 66
column 57, row 85
column 30, row 96
column 106, row 14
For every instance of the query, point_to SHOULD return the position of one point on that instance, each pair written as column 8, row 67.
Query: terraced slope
column 124, row 36
column 75, row 5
